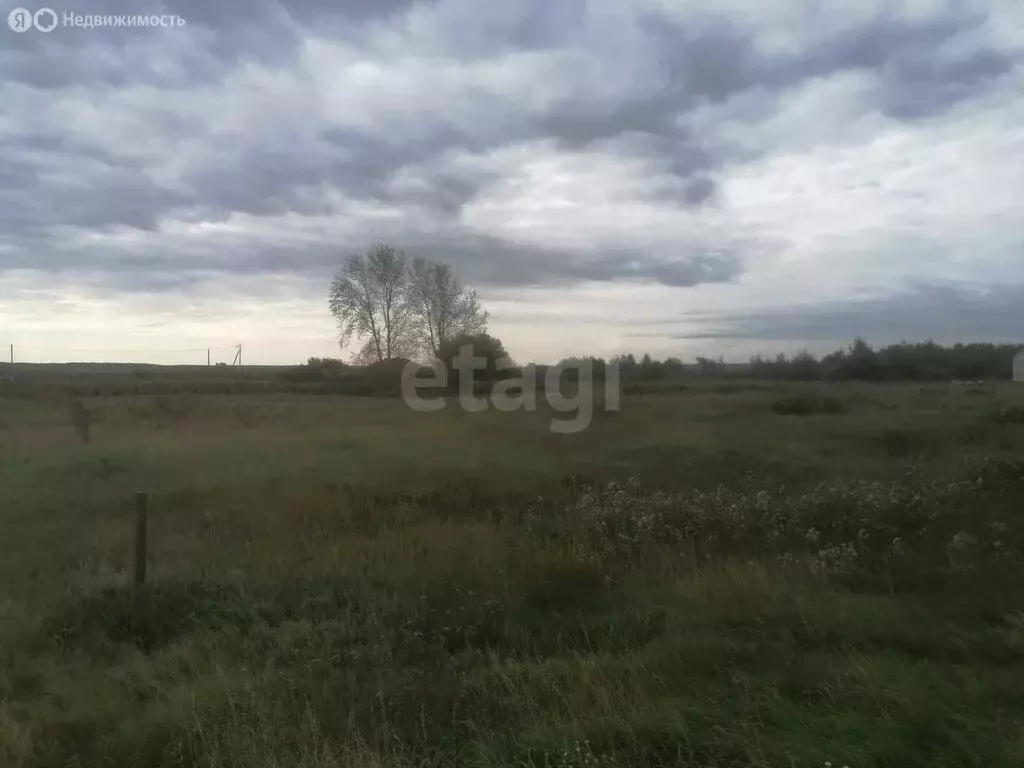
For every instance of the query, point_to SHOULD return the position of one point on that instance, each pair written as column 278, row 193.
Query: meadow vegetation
column 727, row 573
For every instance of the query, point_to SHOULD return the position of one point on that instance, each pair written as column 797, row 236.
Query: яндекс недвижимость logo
column 22, row 20
column 47, row 19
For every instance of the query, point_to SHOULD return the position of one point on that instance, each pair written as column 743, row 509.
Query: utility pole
column 12, row 354
column 207, row 357
column 238, row 358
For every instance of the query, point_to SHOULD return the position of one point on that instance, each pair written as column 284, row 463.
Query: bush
column 316, row 369
column 381, row 379
column 489, row 348
column 385, row 377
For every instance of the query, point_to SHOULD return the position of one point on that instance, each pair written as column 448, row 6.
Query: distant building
column 1018, row 367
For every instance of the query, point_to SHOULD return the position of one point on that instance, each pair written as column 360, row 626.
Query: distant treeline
column 925, row 361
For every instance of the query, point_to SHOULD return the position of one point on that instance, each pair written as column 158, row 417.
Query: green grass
column 698, row 580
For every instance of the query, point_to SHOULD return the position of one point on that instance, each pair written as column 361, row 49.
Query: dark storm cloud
column 155, row 149
column 940, row 312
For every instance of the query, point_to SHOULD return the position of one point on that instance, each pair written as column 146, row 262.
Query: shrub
column 316, row 369
column 381, row 379
column 489, row 348
column 385, row 377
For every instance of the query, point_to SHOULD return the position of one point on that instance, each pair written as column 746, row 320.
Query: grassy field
column 732, row 574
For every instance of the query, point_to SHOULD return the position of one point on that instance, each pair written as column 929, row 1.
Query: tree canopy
column 394, row 307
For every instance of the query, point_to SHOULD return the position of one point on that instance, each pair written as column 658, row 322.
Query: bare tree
column 369, row 298
column 443, row 309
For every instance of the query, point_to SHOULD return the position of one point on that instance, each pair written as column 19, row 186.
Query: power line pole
column 207, row 358
column 12, row 354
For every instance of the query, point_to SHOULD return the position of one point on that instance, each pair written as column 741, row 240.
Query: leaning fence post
column 139, row 576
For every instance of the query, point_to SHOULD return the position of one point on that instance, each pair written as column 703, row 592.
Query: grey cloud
column 294, row 159
column 492, row 261
column 921, row 74
column 916, row 84
column 681, row 271
column 699, row 190
column 463, row 31
column 65, row 181
column 217, row 37
column 943, row 313
column 157, row 264
column 159, row 57
column 226, row 14
column 707, row 59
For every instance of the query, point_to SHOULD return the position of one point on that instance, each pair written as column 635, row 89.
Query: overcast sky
column 676, row 176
